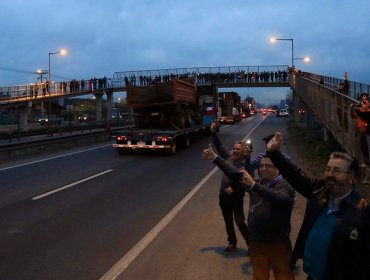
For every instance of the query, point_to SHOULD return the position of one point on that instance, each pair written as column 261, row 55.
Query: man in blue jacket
column 334, row 239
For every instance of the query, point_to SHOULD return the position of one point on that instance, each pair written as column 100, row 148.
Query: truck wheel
column 172, row 149
column 187, row 117
column 120, row 151
column 197, row 116
column 185, row 142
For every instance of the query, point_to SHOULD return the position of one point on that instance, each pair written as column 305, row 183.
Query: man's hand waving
column 209, row 154
column 274, row 143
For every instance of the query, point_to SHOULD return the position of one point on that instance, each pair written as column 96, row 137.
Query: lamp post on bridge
column 305, row 59
column 273, row 40
column 41, row 73
column 62, row 52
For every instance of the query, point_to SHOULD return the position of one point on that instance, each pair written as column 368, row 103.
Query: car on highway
column 253, row 111
column 42, row 120
column 282, row 113
column 227, row 120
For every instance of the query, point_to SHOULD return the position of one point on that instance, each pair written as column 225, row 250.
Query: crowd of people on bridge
column 45, row 88
column 334, row 238
column 210, row 78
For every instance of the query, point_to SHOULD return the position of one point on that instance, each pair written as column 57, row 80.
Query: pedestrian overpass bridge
column 315, row 92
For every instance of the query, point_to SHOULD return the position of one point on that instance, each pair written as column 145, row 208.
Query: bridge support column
column 109, row 104
column 23, row 118
column 99, row 106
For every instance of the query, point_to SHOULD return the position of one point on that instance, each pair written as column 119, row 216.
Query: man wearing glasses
column 334, row 240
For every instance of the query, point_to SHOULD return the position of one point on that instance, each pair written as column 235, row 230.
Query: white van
column 283, row 113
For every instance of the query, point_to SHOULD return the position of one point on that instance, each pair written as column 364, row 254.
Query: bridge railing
column 355, row 88
column 40, row 90
column 332, row 108
column 203, row 75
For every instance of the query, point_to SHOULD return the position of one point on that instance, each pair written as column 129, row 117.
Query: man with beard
column 334, row 240
column 231, row 202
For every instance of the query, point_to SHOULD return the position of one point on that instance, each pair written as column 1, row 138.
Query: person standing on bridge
column 334, row 239
column 231, row 202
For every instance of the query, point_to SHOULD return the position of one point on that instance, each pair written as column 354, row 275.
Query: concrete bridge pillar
column 23, row 118
column 109, row 104
column 99, row 106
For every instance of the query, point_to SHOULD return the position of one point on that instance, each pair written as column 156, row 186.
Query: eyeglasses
column 336, row 170
column 266, row 165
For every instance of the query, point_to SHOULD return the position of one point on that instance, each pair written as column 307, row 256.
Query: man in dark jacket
column 270, row 208
column 231, row 203
column 334, row 240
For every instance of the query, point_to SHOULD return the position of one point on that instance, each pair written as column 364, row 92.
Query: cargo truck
column 167, row 116
column 230, row 107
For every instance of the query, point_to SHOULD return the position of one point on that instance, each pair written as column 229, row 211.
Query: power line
column 17, row 70
column 31, row 72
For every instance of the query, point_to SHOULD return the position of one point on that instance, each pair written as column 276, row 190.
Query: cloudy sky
column 103, row 37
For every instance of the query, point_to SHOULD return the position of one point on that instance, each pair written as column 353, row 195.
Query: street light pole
column 273, row 40
column 63, row 52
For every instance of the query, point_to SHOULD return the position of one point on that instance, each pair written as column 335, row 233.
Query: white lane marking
column 131, row 255
column 251, row 131
column 71, row 185
column 55, row 157
column 124, row 262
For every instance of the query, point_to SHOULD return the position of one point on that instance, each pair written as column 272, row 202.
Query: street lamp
column 273, row 40
column 62, row 52
column 305, row 59
column 41, row 73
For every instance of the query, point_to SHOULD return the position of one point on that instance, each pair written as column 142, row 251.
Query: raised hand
column 247, row 178
column 209, row 154
column 274, row 143
column 213, row 127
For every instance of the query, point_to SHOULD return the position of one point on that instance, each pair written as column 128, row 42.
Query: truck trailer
column 167, row 116
column 230, row 107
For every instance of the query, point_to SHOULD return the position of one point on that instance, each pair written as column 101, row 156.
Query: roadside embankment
column 311, row 153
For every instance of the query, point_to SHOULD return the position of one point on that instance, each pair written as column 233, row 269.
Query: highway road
column 90, row 213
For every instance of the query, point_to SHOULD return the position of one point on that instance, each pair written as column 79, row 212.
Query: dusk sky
column 103, row 37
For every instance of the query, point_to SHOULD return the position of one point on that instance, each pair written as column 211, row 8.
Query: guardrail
column 45, row 143
column 355, row 88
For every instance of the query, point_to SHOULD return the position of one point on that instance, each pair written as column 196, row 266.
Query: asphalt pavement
column 190, row 246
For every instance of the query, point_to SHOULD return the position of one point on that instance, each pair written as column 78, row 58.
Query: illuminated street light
column 41, row 73
column 273, row 40
column 62, row 52
column 305, row 59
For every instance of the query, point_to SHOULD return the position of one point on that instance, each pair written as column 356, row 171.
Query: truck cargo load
column 230, row 107
column 164, row 105
column 167, row 116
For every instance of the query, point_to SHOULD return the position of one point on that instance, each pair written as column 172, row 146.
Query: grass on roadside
column 313, row 152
